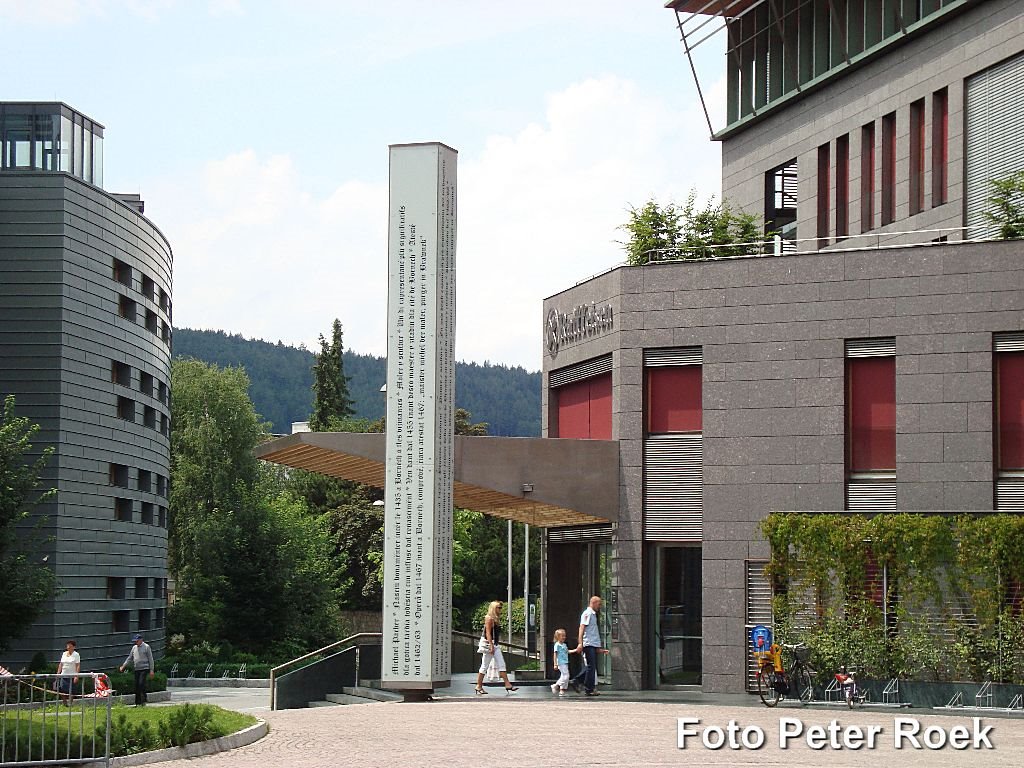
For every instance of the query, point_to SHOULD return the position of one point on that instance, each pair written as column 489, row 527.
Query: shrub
column 39, row 665
column 518, row 618
column 127, row 738
column 187, row 724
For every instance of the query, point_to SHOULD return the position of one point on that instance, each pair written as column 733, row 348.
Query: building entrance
column 676, row 642
column 575, row 572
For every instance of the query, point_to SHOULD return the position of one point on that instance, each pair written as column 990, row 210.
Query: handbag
column 483, row 646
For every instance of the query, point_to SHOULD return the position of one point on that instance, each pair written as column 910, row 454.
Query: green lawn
column 135, row 729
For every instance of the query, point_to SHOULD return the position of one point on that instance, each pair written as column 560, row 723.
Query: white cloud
column 540, row 210
column 257, row 252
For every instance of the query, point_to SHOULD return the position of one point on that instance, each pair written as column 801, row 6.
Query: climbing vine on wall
column 902, row 595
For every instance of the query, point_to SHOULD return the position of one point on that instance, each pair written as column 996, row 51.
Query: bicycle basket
column 803, row 653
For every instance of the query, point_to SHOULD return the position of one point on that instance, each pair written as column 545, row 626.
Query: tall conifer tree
column 331, row 398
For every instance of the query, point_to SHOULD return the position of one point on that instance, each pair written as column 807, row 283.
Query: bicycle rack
column 957, row 701
column 891, row 694
column 225, row 674
column 209, row 670
column 174, row 671
column 241, row 672
column 983, row 698
column 191, row 674
column 833, row 689
column 1017, row 703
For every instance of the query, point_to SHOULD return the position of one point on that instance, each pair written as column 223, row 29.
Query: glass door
column 677, row 615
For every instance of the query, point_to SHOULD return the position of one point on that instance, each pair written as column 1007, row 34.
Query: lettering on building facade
column 562, row 329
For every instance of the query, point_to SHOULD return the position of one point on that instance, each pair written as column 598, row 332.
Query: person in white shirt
column 589, row 644
column 70, row 665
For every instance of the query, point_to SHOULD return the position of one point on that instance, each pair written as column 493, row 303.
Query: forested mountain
column 508, row 399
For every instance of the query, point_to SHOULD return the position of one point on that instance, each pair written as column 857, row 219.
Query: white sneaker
column 561, row 693
column 554, row 688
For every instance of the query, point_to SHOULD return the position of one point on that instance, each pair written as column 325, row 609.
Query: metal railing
column 780, row 246
column 54, row 720
column 335, row 647
column 473, row 639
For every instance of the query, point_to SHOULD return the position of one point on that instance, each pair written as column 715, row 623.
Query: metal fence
column 54, row 719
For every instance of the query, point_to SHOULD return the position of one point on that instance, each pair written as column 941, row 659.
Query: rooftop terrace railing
column 779, row 246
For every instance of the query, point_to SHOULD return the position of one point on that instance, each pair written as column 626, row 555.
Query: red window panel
column 843, row 186
column 889, row 168
column 824, row 183
column 1010, row 409
column 584, row 409
column 917, row 156
column 940, row 145
column 867, row 178
column 601, row 407
column 871, row 413
column 674, row 399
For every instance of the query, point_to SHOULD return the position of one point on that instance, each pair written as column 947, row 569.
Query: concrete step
column 321, row 704
column 374, row 693
column 347, row 699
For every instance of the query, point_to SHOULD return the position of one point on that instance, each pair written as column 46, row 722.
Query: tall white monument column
column 420, row 418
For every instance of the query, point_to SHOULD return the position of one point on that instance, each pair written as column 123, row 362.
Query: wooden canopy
column 546, row 482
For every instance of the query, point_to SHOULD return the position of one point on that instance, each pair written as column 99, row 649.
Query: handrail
column 347, row 641
column 758, row 245
column 473, row 638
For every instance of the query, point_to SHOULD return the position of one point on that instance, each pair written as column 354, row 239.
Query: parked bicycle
column 848, row 685
column 774, row 682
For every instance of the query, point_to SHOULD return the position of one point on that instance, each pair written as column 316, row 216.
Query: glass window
column 17, row 141
column 584, row 409
column 64, row 143
column 1010, row 410
column 674, row 399
column 871, row 413
column 97, row 160
column 87, row 155
column 78, row 149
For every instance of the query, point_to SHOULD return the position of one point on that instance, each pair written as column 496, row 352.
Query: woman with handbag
column 488, row 646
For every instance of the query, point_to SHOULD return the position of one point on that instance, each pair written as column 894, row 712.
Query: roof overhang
column 712, row 7
column 546, row 482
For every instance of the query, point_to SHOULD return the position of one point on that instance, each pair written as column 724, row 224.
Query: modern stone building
column 85, row 334
column 869, row 358
column 872, row 360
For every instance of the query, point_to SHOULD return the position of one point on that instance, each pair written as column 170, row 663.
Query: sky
column 257, row 133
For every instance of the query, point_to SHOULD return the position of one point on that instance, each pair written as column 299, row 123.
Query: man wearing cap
column 141, row 659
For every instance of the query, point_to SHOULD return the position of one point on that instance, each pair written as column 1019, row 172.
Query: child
column 561, row 656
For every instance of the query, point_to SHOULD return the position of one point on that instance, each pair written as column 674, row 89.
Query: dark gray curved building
column 85, row 338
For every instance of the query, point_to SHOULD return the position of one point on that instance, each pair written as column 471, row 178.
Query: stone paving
column 497, row 730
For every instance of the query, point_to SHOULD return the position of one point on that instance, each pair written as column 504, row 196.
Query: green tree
column 331, row 399
column 25, row 582
column 464, row 425
column 215, row 428
column 654, row 231
column 252, row 566
column 1007, row 205
column 666, row 233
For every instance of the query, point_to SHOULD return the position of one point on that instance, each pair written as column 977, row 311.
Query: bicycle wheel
column 803, row 683
column 766, row 686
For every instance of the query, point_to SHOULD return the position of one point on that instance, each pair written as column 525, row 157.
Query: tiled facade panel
column 87, row 231
column 772, row 332
column 942, row 58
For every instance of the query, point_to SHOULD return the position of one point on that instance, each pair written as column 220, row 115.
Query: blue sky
column 257, row 133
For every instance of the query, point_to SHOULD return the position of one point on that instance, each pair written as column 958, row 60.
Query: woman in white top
column 490, row 650
column 70, row 665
